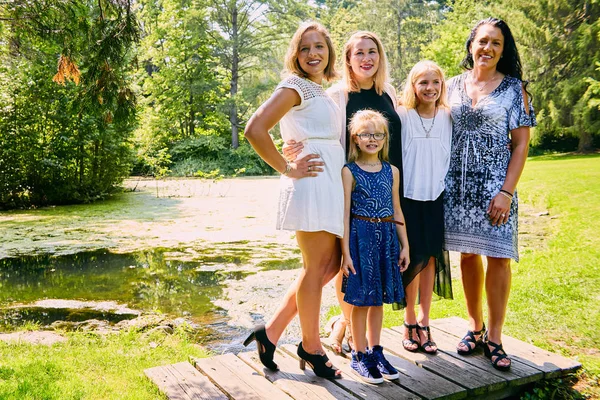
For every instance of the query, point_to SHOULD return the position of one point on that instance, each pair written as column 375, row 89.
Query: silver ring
column 502, row 215
column 309, row 168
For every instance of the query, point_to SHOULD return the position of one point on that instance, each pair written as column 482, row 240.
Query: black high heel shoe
column 266, row 349
column 318, row 363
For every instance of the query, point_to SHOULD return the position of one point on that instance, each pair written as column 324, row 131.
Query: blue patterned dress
column 478, row 164
column 374, row 246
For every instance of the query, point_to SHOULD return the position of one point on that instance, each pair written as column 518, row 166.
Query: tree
column 179, row 77
column 65, row 139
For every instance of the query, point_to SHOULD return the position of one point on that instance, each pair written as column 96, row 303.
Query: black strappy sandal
column 266, row 349
column 318, row 363
column 497, row 352
column 469, row 339
column 408, row 343
column 429, row 343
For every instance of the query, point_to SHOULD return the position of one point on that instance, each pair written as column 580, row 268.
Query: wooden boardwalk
column 446, row 375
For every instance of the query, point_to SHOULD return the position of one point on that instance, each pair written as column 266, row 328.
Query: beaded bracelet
column 505, row 195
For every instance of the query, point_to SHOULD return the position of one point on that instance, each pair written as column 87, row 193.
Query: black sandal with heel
column 266, row 349
column 497, row 352
column 318, row 363
column 410, row 342
column 429, row 343
column 469, row 339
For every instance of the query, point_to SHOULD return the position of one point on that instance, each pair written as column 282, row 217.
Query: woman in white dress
column 311, row 196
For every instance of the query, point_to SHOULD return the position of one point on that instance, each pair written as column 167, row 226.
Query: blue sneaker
column 387, row 370
column 365, row 366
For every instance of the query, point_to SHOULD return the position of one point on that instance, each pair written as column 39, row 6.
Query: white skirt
column 315, row 204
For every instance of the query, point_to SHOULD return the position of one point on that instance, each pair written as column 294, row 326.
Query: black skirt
column 425, row 230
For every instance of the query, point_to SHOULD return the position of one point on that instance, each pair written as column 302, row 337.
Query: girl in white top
column 311, row 199
column 426, row 135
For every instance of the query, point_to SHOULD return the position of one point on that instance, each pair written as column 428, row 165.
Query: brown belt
column 377, row 219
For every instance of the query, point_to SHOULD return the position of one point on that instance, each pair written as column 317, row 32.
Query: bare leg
column 319, row 250
column 374, row 325
column 427, row 275
column 497, row 288
column 471, row 268
column 410, row 293
column 359, row 326
column 346, row 308
column 288, row 308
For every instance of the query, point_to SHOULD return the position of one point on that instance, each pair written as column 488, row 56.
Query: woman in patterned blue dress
column 373, row 258
column 491, row 120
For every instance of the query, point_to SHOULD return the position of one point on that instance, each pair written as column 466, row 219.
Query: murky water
column 145, row 281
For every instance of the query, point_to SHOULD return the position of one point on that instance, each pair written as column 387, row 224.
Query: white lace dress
column 315, row 203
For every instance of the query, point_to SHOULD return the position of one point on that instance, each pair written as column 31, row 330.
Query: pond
column 148, row 281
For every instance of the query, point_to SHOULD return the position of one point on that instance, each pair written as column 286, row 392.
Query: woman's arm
column 348, row 182
column 499, row 208
column 404, row 258
column 263, row 120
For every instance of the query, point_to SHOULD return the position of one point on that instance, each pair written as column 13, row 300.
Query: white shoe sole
column 391, row 377
column 368, row 380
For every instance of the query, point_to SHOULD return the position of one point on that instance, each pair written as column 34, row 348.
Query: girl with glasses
column 374, row 247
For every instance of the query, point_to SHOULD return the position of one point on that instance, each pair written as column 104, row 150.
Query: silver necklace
column 377, row 164
column 485, row 84
column 427, row 131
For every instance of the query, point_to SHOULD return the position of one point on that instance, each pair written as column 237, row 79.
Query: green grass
column 555, row 294
column 90, row 366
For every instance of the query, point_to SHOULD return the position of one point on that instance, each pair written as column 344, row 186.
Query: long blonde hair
column 291, row 58
column 381, row 75
column 363, row 118
column 409, row 97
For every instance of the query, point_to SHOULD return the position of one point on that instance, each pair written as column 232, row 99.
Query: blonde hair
column 363, row 118
column 381, row 75
column 291, row 58
column 409, row 97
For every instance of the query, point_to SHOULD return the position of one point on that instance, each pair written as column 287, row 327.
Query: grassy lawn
column 554, row 304
column 554, row 301
column 90, row 366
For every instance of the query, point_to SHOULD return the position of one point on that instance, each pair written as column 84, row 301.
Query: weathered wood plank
column 418, row 380
column 519, row 373
column 353, row 384
column 182, row 381
column 444, row 365
column 237, row 379
column 293, row 381
column 550, row 363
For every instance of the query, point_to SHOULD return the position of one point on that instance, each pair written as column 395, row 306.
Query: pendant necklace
column 427, row 131
column 484, row 85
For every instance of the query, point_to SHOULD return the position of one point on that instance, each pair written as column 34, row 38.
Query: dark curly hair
column 510, row 62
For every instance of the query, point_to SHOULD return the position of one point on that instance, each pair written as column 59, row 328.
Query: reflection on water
column 146, row 281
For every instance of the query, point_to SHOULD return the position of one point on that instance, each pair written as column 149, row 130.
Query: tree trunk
column 585, row 142
column 399, row 7
column 233, row 117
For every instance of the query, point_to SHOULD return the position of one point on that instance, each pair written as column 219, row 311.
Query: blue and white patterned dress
column 478, row 164
column 374, row 246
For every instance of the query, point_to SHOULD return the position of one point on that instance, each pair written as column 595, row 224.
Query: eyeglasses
column 367, row 136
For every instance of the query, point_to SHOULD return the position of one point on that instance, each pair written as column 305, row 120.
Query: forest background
column 92, row 91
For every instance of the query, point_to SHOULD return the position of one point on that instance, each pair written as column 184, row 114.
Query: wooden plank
column 353, row 384
column 237, row 379
column 418, row 380
column 550, row 363
column 182, row 381
column 454, row 370
column 519, row 373
column 291, row 380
